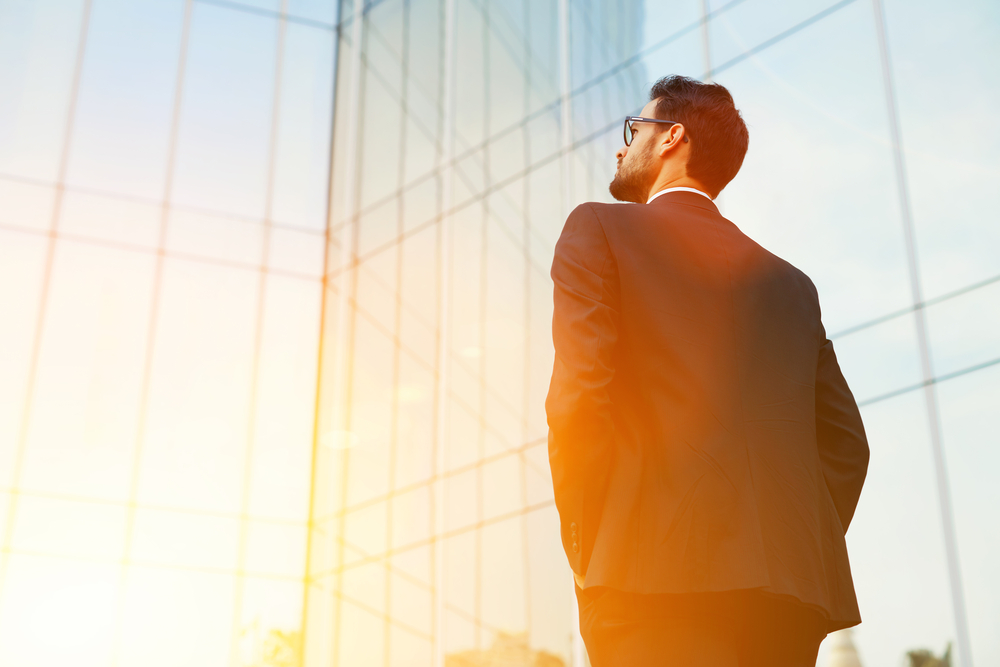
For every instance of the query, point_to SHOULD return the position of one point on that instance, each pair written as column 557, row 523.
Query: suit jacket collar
column 687, row 198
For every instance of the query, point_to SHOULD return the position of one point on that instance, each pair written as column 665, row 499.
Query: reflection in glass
column 169, row 470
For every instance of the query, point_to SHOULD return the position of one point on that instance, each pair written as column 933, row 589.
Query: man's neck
column 678, row 189
column 685, row 181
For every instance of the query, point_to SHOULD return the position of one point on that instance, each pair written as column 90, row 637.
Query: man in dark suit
column 707, row 455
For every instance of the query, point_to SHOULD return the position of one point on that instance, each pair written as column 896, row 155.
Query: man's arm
column 584, row 331
column 843, row 447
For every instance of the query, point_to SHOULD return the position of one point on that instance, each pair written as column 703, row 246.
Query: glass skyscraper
column 276, row 309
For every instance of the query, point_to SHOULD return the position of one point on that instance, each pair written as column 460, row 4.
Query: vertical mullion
column 49, row 267
column 321, row 351
column 484, row 213
column 920, row 322
column 706, row 50
column 706, row 54
column 578, row 652
column 147, row 370
column 445, row 169
column 566, row 108
column 234, row 655
column 526, row 367
column 346, row 312
column 397, row 323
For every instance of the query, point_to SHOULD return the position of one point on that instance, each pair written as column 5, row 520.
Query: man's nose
column 621, row 152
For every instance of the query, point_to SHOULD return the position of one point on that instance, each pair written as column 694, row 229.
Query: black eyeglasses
column 629, row 133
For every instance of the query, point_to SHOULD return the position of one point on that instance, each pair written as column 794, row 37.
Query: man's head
column 704, row 149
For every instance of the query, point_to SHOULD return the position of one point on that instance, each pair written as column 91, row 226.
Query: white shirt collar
column 678, row 189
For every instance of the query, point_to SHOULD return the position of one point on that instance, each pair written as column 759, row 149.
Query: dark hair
column 719, row 137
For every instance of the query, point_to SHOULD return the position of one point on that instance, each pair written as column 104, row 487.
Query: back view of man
column 707, row 455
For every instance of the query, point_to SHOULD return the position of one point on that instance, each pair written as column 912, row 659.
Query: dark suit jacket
column 701, row 434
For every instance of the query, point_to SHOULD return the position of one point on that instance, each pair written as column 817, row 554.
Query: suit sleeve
column 578, row 406
column 843, row 446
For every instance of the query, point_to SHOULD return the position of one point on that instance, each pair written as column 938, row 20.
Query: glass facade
column 163, row 194
column 276, row 305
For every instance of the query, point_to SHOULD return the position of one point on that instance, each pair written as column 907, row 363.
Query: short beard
column 628, row 183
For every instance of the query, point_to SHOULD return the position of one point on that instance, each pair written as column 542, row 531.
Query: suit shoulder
column 793, row 275
column 790, row 274
column 582, row 232
column 603, row 214
column 600, row 210
column 604, row 209
column 594, row 216
column 610, row 206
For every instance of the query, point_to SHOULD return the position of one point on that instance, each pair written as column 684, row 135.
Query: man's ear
column 671, row 138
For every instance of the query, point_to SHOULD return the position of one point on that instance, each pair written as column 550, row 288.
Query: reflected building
column 274, row 282
column 842, row 653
